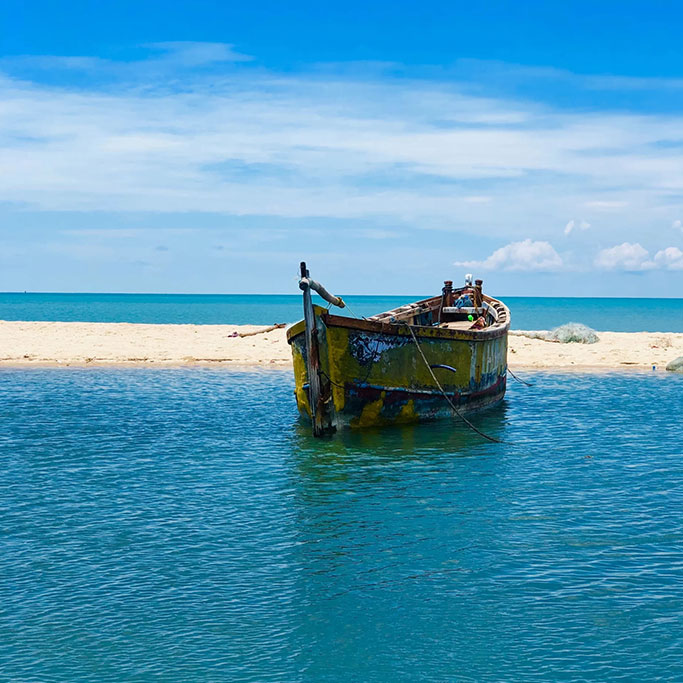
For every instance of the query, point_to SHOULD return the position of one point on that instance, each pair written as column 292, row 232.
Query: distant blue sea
column 617, row 315
column 182, row 525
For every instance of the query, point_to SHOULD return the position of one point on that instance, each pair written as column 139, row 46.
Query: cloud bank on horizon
column 195, row 149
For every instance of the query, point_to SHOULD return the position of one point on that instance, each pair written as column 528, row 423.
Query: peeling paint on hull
column 374, row 375
column 403, row 406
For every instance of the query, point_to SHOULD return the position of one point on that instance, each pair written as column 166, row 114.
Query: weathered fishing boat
column 423, row 361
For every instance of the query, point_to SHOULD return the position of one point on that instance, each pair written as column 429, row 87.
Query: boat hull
column 373, row 374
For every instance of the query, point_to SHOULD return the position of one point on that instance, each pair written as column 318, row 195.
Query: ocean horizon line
column 618, row 314
column 417, row 296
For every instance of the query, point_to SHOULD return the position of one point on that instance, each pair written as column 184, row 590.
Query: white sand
column 615, row 350
column 54, row 343
column 88, row 344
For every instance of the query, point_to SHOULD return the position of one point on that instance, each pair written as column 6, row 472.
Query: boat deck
column 457, row 325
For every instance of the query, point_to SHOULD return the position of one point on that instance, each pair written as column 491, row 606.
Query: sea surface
column 528, row 313
column 182, row 525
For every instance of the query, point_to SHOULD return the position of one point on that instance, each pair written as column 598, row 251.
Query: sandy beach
column 125, row 344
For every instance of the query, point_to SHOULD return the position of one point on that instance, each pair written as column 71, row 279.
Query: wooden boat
column 422, row 361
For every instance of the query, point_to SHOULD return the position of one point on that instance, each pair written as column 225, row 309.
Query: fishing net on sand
column 676, row 365
column 573, row 332
column 565, row 334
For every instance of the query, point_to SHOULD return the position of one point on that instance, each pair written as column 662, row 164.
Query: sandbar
column 78, row 344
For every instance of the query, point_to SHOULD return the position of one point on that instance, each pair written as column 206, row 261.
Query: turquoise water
column 617, row 315
column 181, row 525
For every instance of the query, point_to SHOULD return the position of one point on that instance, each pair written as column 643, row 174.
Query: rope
column 434, row 377
column 348, row 308
column 521, row 381
column 441, row 389
column 352, row 313
column 331, row 381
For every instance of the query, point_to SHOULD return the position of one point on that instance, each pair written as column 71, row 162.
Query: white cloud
column 125, row 233
column 198, row 130
column 55, row 63
column 677, row 225
column 248, row 142
column 670, row 258
column 190, row 54
column 626, row 256
column 376, row 234
column 579, row 225
column 606, row 204
column 634, row 258
column 477, row 199
column 525, row 255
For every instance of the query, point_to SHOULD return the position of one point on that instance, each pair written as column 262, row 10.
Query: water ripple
column 182, row 525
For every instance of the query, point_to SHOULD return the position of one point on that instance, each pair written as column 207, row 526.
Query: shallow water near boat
column 183, row 525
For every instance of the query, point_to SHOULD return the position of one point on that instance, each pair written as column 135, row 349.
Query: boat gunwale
column 399, row 329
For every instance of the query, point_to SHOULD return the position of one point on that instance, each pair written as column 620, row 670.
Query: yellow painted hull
column 373, row 374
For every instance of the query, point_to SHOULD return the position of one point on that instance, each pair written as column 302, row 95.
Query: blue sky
column 210, row 146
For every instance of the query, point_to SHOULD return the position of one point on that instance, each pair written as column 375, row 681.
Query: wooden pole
column 312, row 359
column 478, row 298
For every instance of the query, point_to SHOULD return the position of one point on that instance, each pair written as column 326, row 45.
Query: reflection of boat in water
column 421, row 361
